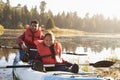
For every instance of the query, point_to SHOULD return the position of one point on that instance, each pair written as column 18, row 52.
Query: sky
column 108, row 8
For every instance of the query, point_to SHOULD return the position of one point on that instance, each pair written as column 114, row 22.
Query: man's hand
column 24, row 47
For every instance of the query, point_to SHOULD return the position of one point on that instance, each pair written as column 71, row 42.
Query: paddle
column 16, row 66
column 96, row 65
column 9, row 47
column 103, row 63
column 70, row 53
column 15, row 47
column 23, row 66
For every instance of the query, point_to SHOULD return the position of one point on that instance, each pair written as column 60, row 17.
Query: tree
column 34, row 13
column 50, row 24
column 50, row 14
column 42, row 6
column 42, row 13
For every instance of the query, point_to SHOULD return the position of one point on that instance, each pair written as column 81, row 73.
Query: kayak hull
column 28, row 74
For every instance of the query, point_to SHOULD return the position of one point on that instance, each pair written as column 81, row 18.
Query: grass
column 57, row 32
column 66, row 32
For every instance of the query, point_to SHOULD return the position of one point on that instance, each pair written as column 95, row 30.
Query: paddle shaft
column 90, row 64
column 23, row 66
column 69, row 53
column 97, row 64
column 9, row 47
column 16, row 66
column 76, row 54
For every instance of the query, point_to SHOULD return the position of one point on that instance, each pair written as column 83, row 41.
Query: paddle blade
column 103, row 64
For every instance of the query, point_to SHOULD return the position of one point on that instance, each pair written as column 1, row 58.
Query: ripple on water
column 5, row 74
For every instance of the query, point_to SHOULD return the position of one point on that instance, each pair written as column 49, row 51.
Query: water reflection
column 6, row 52
column 95, row 44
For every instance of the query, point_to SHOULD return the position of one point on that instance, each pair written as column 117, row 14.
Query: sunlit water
column 96, row 51
column 95, row 56
column 6, row 73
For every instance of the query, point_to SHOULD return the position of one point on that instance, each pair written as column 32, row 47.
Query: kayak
column 27, row 73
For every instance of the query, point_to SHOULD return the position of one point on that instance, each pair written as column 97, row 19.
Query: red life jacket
column 31, row 37
column 44, row 50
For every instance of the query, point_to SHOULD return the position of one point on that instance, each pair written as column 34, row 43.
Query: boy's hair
column 50, row 34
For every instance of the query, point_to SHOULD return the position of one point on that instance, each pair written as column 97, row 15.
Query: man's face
column 34, row 27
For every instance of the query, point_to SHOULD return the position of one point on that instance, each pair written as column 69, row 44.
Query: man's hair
column 34, row 21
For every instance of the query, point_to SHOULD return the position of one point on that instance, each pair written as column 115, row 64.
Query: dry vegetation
column 9, row 36
column 67, row 32
column 114, row 73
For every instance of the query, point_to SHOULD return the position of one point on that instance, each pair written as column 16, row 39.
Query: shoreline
column 9, row 36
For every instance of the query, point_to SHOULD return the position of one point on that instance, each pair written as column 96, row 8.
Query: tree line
column 19, row 16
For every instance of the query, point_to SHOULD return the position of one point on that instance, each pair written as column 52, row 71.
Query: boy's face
column 48, row 40
column 34, row 27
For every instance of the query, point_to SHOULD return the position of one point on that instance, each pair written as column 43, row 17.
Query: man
column 26, row 41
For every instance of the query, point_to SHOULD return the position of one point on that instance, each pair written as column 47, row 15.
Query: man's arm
column 20, row 39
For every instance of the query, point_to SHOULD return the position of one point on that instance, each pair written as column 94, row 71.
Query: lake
column 97, row 47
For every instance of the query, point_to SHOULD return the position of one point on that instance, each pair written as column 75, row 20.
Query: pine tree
column 50, row 24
